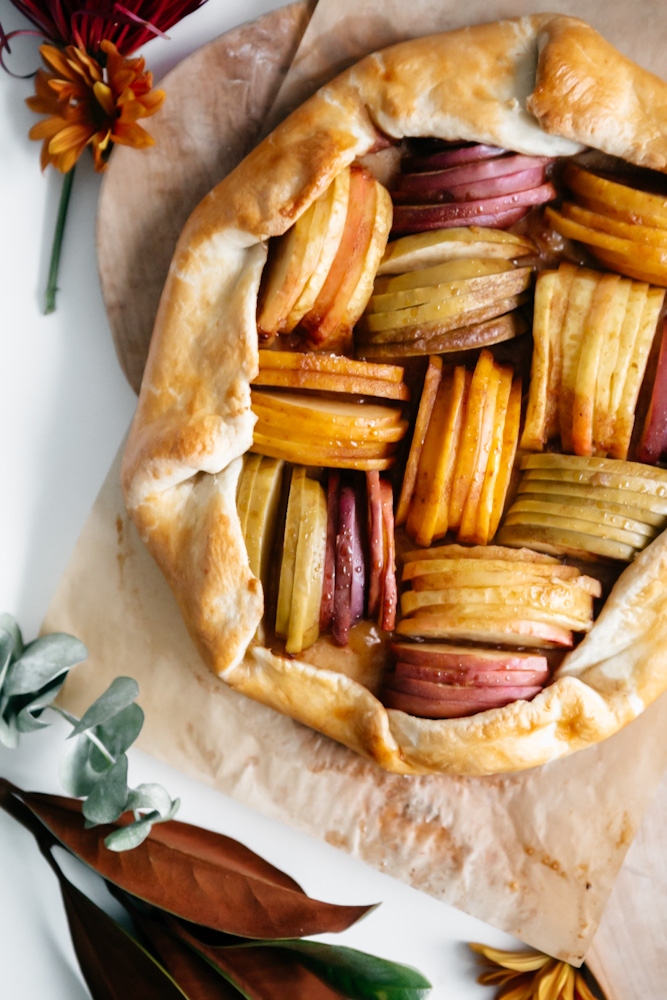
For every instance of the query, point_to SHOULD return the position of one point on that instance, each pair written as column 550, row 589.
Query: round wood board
column 140, row 216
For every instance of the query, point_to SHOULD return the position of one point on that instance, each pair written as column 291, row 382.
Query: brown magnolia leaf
column 262, row 973
column 192, row 973
column 220, row 888
column 114, row 965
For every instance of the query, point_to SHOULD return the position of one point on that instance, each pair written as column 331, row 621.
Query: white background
column 64, row 407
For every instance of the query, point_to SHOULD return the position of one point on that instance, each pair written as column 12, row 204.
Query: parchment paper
column 536, row 853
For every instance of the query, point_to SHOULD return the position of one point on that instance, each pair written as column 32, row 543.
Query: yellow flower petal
column 582, row 990
column 56, row 59
column 129, row 134
column 104, row 97
column 71, row 137
column 520, row 961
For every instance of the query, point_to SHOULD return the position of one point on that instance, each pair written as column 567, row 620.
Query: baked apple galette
column 398, row 444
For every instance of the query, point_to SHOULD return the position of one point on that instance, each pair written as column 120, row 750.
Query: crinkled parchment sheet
column 534, row 853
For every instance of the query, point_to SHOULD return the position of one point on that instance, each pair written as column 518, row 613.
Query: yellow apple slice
column 603, row 416
column 575, row 511
column 580, row 300
column 507, row 455
column 453, row 433
column 437, row 459
column 295, row 452
column 637, row 300
column 640, row 506
column 602, row 467
column 481, row 531
column 414, row 300
column 304, row 620
column 288, row 267
column 325, row 382
column 487, row 434
column 615, row 227
column 534, row 435
column 619, row 199
column 629, row 263
column 340, row 414
column 379, row 236
column 467, row 338
column 483, row 552
column 625, row 415
column 457, row 572
column 333, row 364
column 566, row 274
column 288, row 561
column 452, row 270
column 322, row 448
column 520, row 631
column 470, row 438
column 493, row 288
column 565, row 542
column 426, row 403
column 244, row 489
column 260, row 525
column 277, row 422
column 440, row 245
column 594, row 341
column 570, row 606
column 335, row 201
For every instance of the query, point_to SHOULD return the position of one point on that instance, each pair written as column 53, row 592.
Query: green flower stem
column 87, row 733
column 52, row 286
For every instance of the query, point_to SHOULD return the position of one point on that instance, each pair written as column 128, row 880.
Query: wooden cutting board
column 141, row 213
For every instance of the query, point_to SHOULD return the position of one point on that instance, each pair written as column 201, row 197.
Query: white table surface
column 64, row 407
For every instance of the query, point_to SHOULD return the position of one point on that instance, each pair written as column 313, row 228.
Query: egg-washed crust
column 541, row 85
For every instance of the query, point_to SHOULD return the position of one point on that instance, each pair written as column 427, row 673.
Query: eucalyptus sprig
column 94, row 766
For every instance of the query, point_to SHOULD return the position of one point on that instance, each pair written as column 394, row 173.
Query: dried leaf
column 197, row 875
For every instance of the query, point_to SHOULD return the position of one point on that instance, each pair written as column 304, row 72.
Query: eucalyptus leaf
column 77, row 775
column 27, row 719
column 121, row 692
column 117, row 735
column 130, row 836
column 108, row 798
column 10, row 625
column 9, row 735
column 6, row 653
column 151, row 796
column 42, row 661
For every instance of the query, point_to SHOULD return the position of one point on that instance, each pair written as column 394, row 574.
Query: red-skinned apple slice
column 329, row 582
column 445, row 657
column 349, row 589
column 454, row 157
column 423, row 185
column 446, row 707
column 496, row 186
column 653, row 443
column 375, row 541
column 389, row 588
column 358, row 585
column 419, row 218
column 473, row 678
column 472, row 211
column 453, row 693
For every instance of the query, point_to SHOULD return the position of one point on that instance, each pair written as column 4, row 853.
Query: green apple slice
column 418, row 300
column 244, row 489
column 606, row 531
column 262, row 516
column 640, row 506
column 288, row 562
column 453, row 270
column 562, row 605
column 304, row 621
column 565, row 542
column 599, row 515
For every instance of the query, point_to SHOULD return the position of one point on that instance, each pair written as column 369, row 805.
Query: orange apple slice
column 436, row 466
column 379, row 236
column 278, row 422
column 471, row 437
column 580, row 300
column 326, row 315
column 339, row 414
column 619, row 200
column 426, row 403
column 323, row 447
column 593, row 343
column 481, row 530
column 630, row 265
column 615, row 227
column 332, row 219
column 487, row 434
column 440, row 245
column 625, row 416
column 334, row 364
column 325, row 382
column 297, row 452
column 510, row 441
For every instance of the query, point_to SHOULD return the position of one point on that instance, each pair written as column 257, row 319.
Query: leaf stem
column 54, row 265
column 88, row 733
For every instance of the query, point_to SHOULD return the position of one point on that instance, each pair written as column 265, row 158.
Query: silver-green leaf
column 121, row 692
column 108, row 798
column 42, row 661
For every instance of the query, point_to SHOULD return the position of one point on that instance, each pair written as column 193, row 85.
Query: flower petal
column 129, row 134
column 105, row 98
column 72, row 136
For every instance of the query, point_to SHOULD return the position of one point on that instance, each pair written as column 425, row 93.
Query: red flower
column 88, row 23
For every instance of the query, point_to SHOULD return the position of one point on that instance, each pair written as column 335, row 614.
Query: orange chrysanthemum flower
column 89, row 105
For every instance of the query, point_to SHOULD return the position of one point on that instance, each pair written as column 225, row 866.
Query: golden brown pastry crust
column 193, row 420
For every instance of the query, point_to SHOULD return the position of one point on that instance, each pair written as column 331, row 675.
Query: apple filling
column 359, row 410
